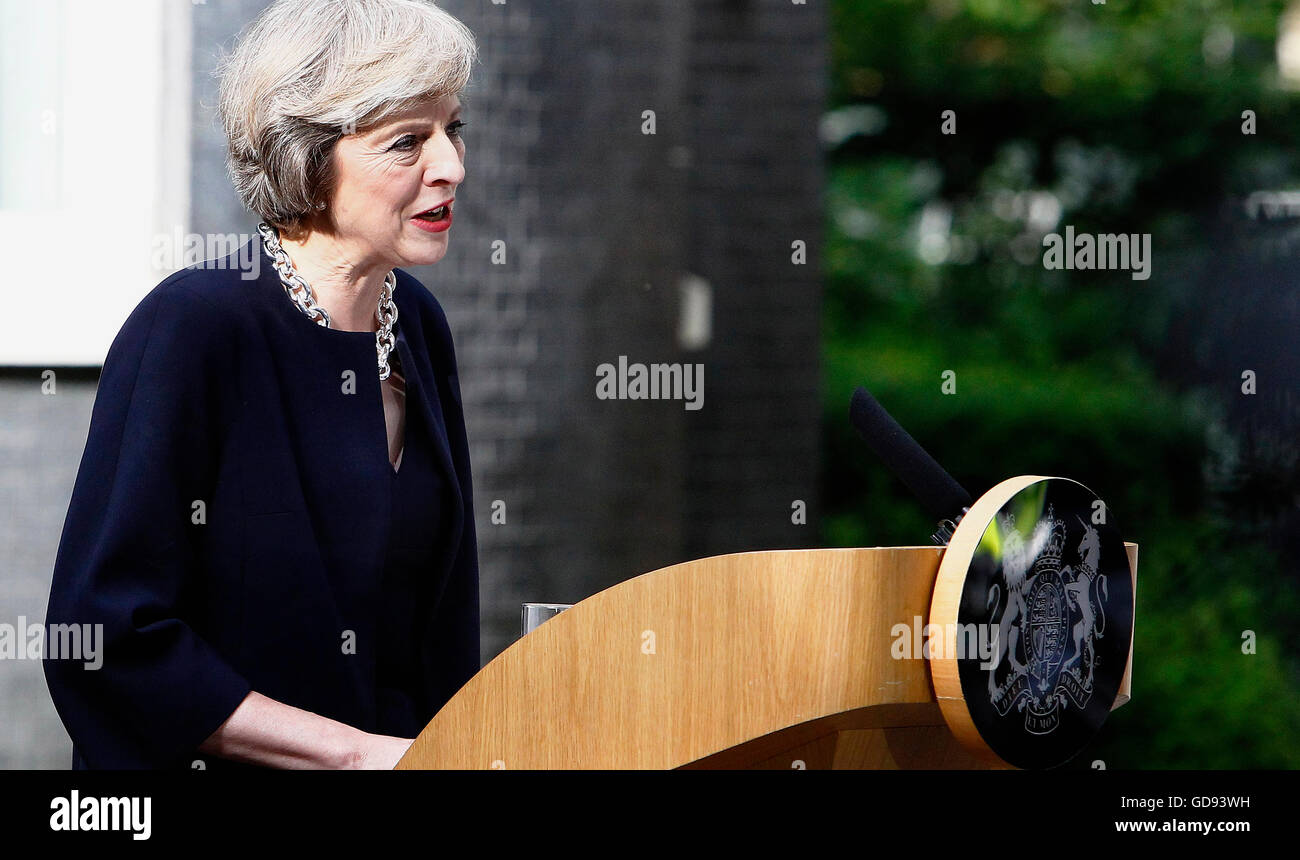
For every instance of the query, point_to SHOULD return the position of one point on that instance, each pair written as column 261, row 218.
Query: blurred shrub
column 1121, row 117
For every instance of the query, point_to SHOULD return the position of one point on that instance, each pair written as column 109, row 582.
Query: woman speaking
column 273, row 517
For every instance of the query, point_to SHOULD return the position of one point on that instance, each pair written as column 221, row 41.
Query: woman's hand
column 265, row 732
column 382, row 752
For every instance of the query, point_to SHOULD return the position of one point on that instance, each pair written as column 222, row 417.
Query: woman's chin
column 426, row 252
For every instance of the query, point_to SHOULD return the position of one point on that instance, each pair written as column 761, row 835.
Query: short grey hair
column 305, row 72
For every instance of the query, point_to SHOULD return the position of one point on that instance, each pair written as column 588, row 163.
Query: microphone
column 936, row 490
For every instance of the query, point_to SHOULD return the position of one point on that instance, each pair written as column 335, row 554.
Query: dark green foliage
column 1116, row 117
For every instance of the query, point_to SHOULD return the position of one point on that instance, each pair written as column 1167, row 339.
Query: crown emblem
column 1055, row 547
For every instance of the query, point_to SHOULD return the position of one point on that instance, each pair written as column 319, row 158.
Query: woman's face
column 388, row 174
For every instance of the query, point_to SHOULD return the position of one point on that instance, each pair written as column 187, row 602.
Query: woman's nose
column 445, row 163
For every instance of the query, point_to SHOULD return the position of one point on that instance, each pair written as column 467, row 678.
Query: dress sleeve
column 127, row 557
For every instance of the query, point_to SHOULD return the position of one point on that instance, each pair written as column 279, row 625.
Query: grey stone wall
column 755, row 80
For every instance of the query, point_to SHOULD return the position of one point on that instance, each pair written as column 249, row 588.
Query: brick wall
column 601, row 223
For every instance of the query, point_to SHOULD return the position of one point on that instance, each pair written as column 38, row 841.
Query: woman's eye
column 408, row 143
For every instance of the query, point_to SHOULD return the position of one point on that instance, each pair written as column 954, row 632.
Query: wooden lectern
column 778, row 659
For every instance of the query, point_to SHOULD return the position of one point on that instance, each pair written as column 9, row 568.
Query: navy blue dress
column 409, row 511
column 417, row 494
column 236, row 524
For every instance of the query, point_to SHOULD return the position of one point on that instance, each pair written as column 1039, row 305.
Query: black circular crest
column 1049, row 596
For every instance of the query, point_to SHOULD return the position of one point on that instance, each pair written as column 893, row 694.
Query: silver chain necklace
column 300, row 292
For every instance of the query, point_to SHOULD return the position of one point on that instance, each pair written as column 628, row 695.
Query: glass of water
column 535, row 613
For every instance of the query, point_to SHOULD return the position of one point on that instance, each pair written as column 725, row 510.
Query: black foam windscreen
column 937, row 491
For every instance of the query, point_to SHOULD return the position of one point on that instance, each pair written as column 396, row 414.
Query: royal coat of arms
column 1047, row 613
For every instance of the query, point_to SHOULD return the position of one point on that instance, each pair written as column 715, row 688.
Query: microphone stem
column 944, row 534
